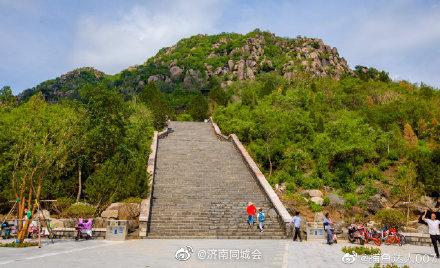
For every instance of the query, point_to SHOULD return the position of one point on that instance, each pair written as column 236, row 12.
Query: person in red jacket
column 251, row 210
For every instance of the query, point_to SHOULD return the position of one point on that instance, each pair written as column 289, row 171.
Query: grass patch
column 17, row 245
column 361, row 250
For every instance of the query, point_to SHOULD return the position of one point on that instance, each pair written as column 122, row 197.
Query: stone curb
column 258, row 175
column 144, row 216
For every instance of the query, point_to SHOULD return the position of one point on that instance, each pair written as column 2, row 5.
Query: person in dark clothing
column 328, row 228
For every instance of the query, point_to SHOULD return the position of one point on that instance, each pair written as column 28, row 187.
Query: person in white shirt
column 296, row 221
column 434, row 232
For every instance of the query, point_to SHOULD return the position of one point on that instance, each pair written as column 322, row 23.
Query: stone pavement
column 161, row 253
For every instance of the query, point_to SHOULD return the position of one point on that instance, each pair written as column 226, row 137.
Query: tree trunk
column 270, row 167
column 78, row 196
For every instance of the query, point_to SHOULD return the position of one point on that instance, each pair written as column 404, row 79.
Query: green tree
column 38, row 139
column 407, row 188
column 7, row 99
column 198, row 107
column 157, row 103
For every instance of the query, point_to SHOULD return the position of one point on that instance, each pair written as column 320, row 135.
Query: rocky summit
column 194, row 63
column 230, row 57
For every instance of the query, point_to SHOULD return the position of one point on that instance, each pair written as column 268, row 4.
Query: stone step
column 202, row 186
column 154, row 236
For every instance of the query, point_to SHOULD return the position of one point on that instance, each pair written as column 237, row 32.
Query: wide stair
column 202, row 186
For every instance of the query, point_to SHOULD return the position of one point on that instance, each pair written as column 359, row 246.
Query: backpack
column 261, row 216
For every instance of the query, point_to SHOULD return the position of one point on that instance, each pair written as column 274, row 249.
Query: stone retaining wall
column 259, row 176
column 418, row 239
column 71, row 232
column 144, row 216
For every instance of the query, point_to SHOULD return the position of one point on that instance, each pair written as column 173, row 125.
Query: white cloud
column 114, row 44
column 387, row 32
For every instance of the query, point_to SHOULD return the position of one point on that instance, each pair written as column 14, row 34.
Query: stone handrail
column 144, row 216
column 256, row 172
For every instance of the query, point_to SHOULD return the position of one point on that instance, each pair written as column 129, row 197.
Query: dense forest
column 308, row 120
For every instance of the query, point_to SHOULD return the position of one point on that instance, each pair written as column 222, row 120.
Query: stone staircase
column 201, row 188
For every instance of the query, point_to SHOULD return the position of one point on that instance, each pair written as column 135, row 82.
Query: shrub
column 78, row 210
column 297, row 199
column 361, row 250
column 326, row 201
column 368, row 191
column 19, row 245
column 314, row 44
column 62, row 204
column 391, row 217
column 350, row 200
column 290, row 186
column 384, row 164
column 312, row 183
column 184, row 117
column 315, row 207
column 132, row 200
column 393, row 155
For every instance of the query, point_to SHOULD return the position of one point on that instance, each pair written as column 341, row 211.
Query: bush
column 393, row 155
column 312, row 183
column 315, row 207
column 198, row 108
column 361, row 250
column 62, row 204
column 384, row 164
column 184, row 117
column 350, row 200
column 19, row 245
column 290, row 186
column 391, row 217
column 132, row 200
column 326, row 201
column 79, row 210
column 297, row 199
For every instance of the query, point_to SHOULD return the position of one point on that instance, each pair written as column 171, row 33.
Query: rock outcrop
column 258, row 50
column 193, row 62
column 122, row 211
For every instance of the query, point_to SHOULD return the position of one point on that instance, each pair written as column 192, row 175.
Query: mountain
column 194, row 62
column 67, row 85
column 228, row 57
column 310, row 122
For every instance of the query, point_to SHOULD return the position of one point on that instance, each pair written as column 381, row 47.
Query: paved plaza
column 202, row 253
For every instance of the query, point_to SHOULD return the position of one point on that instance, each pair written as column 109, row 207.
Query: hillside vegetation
column 372, row 143
column 308, row 120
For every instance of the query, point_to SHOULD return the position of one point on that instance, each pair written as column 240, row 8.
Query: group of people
column 251, row 211
column 327, row 222
column 428, row 218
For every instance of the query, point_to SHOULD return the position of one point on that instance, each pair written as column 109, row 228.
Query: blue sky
column 40, row 40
